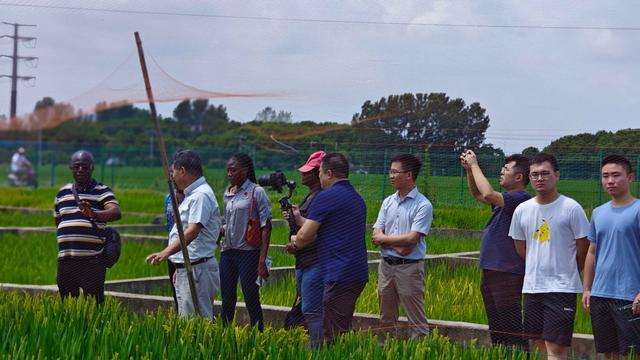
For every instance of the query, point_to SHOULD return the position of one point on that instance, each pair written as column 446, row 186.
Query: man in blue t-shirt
column 612, row 268
column 337, row 223
column 502, row 268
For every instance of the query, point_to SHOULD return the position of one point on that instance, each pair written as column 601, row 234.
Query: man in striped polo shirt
column 80, row 245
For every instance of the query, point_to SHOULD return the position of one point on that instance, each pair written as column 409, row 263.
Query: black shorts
column 550, row 317
column 612, row 330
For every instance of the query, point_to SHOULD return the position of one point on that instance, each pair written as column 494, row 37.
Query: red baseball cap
column 313, row 162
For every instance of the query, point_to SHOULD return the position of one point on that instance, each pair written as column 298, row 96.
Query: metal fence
column 442, row 179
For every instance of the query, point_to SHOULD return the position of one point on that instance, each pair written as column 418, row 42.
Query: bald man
column 79, row 224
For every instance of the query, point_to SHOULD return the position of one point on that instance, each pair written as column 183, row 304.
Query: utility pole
column 15, row 58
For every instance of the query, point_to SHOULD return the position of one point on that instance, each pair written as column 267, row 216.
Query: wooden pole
column 165, row 165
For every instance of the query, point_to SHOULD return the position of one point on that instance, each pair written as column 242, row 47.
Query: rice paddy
column 46, row 327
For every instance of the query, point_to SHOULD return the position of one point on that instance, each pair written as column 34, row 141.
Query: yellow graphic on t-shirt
column 542, row 234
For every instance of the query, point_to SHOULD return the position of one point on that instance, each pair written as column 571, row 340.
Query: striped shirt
column 76, row 236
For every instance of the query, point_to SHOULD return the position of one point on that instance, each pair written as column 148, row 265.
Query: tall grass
column 46, row 327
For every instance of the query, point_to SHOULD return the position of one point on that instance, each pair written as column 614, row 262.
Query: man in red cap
column 309, row 282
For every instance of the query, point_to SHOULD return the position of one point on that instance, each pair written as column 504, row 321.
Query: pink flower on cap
column 313, row 162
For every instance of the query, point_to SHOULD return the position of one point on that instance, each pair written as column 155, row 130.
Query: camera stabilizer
column 276, row 180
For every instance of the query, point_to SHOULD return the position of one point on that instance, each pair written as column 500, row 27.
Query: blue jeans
column 310, row 286
column 242, row 264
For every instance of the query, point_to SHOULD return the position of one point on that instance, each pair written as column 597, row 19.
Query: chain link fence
column 442, row 178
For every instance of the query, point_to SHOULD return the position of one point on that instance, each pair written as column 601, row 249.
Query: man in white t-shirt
column 550, row 233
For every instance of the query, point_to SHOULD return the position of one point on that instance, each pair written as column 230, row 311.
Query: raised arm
column 481, row 189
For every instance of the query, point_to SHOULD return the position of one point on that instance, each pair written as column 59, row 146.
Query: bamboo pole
column 165, row 165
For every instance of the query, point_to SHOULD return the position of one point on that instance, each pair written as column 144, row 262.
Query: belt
column 392, row 260
column 199, row 261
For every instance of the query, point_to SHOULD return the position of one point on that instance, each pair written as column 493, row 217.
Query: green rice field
column 444, row 190
column 33, row 259
column 451, row 293
column 45, row 327
column 45, row 218
column 141, row 206
column 43, row 246
column 435, row 244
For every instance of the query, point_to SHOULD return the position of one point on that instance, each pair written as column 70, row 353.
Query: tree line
column 432, row 122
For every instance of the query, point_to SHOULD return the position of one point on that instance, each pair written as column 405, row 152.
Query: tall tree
column 434, row 119
column 198, row 115
column 530, row 151
column 268, row 114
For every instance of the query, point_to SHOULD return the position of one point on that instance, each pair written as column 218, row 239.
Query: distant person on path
column 80, row 244
column 170, row 222
column 612, row 268
column 201, row 221
column 21, row 173
column 337, row 222
column 308, row 270
column 550, row 233
column 238, row 259
column 19, row 162
column 502, row 268
column 403, row 223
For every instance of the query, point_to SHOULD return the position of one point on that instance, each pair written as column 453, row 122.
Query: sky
column 542, row 69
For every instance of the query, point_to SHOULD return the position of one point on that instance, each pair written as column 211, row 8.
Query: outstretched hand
column 156, row 258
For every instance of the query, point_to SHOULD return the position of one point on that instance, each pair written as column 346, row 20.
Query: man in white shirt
column 200, row 217
column 550, row 233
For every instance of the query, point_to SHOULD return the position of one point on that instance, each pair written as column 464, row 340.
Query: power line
column 326, row 21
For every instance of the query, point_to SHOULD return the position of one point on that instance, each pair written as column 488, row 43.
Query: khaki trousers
column 403, row 284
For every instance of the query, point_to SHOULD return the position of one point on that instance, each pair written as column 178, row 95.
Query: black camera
column 277, row 181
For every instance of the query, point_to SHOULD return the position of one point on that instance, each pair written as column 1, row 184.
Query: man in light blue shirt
column 612, row 267
column 201, row 222
column 400, row 230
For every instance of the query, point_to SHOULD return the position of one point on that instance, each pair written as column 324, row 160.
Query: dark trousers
column 339, row 303
column 172, row 270
column 502, row 295
column 85, row 274
column 241, row 264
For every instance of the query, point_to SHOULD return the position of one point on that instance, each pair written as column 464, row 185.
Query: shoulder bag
column 253, row 233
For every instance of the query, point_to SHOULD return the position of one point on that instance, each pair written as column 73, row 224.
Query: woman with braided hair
column 238, row 258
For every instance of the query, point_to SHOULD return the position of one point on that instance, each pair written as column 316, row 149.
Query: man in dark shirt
column 502, row 268
column 337, row 222
column 79, row 230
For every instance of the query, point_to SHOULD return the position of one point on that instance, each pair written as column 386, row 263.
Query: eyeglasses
column 543, row 174
column 396, row 172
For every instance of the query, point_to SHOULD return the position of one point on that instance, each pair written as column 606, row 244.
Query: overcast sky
column 323, row 59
